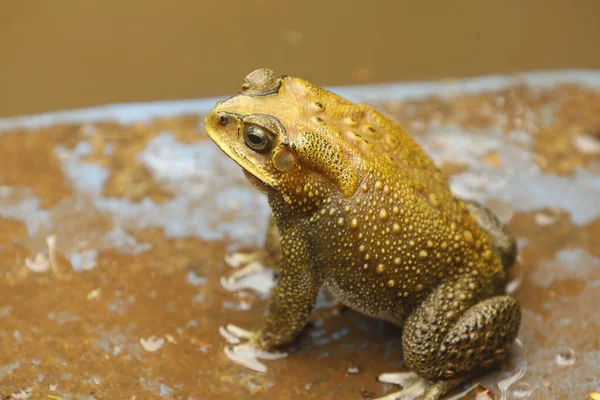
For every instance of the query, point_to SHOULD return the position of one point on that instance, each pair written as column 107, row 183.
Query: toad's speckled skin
column 361, row 209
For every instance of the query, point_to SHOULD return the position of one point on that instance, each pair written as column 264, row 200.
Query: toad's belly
column 370, row 301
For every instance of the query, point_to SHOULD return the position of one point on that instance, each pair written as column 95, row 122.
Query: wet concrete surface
column 113, row 238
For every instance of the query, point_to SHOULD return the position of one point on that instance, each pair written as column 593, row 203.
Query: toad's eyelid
column 241, row 117
column 286, row 139
column 272, row 118
column 238, row 116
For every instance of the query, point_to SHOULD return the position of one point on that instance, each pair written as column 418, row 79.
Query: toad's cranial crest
column 360, row 208
column 259, row 81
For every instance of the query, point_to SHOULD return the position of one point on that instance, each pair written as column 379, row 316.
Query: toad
column 360, row 208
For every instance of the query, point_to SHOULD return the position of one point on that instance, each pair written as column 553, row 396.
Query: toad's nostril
column 223, row 119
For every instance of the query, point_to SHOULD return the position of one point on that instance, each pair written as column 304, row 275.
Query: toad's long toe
column 403, row 379
column 246, row 354
column 230, row 282
column 416, row 388
column 239, row 260
column 413, row 385
column 252, row 272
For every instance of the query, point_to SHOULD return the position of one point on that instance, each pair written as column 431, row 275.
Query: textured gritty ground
column 143, row 215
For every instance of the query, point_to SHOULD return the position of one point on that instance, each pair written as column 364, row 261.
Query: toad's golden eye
column 256, row 138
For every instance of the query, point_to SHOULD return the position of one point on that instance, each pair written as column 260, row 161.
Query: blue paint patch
column 568, row 263
column 120, row 305
column 194, row 279
column 83, row 261
column 198, row 298
column 5, row 311
column 154, row 386
column 93, row 380
column 8, row 369
column 84, row 176
column 63, row 317
column 22, row 204
column 165, row 390
column 318, row 333
column 109, row 149
column 322, row 341
column 17, row 336
column 115, row 341
column 323, row 301
column 122, row 240
column 340, row 334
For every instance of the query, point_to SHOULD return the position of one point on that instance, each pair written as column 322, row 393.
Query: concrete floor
column 113, row 236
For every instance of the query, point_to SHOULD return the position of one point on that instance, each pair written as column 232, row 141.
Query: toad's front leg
column 292, row 299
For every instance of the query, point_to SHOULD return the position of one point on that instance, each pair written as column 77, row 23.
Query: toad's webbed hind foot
column 414, row 387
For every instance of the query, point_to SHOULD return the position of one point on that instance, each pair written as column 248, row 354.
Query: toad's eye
column 256, row 138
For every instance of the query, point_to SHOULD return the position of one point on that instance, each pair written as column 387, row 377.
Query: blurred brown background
column 78, row 53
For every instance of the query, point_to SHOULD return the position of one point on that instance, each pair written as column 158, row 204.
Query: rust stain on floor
column 113, row 238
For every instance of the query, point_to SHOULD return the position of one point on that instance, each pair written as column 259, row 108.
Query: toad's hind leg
column 452, row 336
column 503, row 242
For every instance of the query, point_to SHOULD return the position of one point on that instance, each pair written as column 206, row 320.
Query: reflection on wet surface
column 113, row 240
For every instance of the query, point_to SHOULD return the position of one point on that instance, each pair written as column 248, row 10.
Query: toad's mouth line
column 246, row 163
